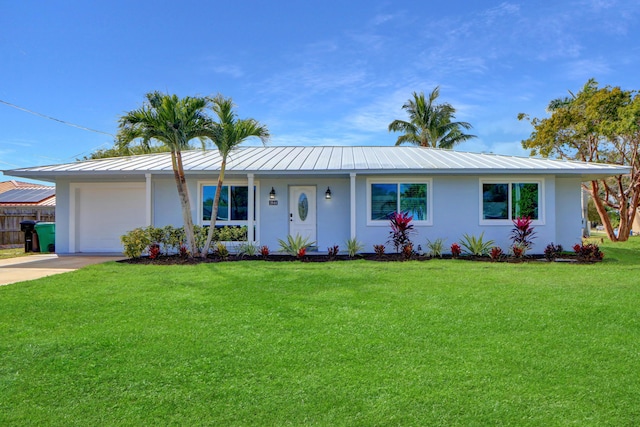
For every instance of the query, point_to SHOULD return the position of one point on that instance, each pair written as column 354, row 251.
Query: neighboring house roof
column 12, row 185
column 328, row 160
column 39, row 196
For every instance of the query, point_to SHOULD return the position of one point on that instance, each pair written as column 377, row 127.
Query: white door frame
column 300, row 222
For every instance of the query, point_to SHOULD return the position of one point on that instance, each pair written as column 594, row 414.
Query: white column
column 149, row 199
column 250, row 209
column 353, row 205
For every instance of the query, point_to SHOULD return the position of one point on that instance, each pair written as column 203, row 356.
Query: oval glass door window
column 303, row 207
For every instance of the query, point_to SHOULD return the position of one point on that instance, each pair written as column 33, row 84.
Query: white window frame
column 401, row 180
column 229, row 183
column 510, row 181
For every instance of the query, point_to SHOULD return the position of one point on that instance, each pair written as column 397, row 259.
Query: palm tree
column 228, row 133
column 173, row 122
column 430, row 125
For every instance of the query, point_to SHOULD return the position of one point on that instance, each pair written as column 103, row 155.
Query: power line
column 53, row 118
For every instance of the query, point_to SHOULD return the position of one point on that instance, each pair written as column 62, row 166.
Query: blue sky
column 316, row 72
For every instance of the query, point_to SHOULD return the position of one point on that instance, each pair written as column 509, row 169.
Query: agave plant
column 476, row 246
column 293, row 245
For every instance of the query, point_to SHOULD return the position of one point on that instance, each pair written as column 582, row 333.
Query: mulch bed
column 178, row 260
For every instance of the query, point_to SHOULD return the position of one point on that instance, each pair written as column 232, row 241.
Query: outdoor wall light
column 272, row 194
column 327, row 194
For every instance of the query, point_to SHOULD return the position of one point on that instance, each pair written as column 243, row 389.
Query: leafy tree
column 596, row 125
column 228, row 133
column 172, row 122
column 430, row 124
column 131, row 150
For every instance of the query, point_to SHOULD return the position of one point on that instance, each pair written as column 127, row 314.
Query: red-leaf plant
column 302, row 252
column 523, row 234
column 401, row 229
column 455, row 250
column 264, row 251
column 154, row 251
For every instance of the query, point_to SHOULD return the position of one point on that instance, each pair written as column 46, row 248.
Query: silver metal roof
column 326, row 160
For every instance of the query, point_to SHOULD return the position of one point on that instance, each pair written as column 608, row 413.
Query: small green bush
column 135, row 242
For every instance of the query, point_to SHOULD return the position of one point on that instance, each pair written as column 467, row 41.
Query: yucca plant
column 353, row 247
column 435, row 247
column 293, row 245
column 247, row 248
column 476, row 246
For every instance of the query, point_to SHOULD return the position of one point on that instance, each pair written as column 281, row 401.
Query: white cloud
column 586, row 68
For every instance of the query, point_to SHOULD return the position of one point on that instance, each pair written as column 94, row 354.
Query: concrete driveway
column 31, row 267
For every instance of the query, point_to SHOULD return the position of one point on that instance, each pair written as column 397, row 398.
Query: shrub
column 522, row 234
column 379, row 250
column 158, row 236
column 455, row 250
column 293, row 244
column 496, row 253
column 135, row 242
column 353, row 247
column 175, row 238
column 221, row 250
column 588, row 252
column 476, row 246
column 401, row 229
column 552, row 251
column 333, row 251
column 435, row 247
column 264, row 251
column 230, row 234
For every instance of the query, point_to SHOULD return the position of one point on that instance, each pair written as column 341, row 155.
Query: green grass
column 442, row 342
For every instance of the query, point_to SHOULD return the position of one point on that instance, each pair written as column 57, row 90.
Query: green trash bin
column 46, row 236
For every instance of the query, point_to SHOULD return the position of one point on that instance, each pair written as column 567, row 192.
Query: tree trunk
column 604, row 217
column 183, row 194
column 214, row 210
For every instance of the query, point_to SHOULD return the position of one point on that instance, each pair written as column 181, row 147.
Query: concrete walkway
column 32, row 267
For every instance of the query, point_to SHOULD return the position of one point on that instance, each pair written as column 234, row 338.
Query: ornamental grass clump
column 435, row 247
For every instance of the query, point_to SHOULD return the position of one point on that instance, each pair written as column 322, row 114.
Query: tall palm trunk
column 183, row 194
column 214, row 210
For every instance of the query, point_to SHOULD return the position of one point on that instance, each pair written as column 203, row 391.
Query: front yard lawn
column 342, row 343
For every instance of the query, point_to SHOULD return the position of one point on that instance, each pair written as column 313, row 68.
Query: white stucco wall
column 455, row 201
column 568, row 212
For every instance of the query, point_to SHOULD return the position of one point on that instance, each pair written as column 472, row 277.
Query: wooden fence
column 10, row 218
